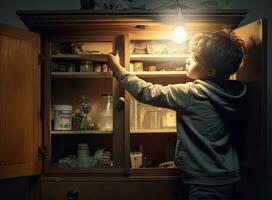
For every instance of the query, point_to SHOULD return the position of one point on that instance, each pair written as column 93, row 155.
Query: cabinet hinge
column 42, row 152
column 41, row 58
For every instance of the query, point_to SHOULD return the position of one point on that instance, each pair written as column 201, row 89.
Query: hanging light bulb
column 179, row 34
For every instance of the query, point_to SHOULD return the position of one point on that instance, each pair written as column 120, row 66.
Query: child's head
column 215, row 55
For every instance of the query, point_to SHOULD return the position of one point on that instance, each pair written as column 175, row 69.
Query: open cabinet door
column 20, row 122
column 252, row 147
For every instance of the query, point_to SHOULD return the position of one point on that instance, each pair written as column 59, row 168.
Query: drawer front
column 110, row 190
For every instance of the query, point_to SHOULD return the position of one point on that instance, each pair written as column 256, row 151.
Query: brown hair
column 222, row 50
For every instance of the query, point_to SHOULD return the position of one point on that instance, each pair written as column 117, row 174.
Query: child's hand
column 167, row 164
column 114, row 60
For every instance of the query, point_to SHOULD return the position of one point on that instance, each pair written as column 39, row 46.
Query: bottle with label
column 85, row 109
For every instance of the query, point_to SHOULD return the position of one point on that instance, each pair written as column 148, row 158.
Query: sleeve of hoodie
column 174, row 96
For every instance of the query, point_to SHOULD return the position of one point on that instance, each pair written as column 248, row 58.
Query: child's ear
column 211, row 71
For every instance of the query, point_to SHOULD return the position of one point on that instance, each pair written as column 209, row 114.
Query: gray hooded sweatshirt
column 205, row 111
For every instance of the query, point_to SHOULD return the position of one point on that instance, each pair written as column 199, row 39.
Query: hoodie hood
column 228, row 95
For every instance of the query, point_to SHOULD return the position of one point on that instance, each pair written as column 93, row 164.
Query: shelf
column 170, row 173
column 161, row 74
column 156, row 58
column 81, row 74
column 153, row 131
column 81, row 132
column 72, row 57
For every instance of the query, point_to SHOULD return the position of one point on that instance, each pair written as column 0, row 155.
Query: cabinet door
column 121, row 45
column 252, row 146
column 151, row 131
column 20, row 126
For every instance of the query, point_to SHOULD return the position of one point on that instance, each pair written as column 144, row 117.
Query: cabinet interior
column 152, row 129
column 65, row 147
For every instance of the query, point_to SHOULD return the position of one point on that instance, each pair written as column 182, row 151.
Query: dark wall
column 8, row 8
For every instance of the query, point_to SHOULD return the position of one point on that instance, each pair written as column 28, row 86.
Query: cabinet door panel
column 20, row 127
column 121, row 45
column 251, row 145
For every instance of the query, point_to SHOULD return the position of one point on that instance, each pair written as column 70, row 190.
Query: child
column 205, row 111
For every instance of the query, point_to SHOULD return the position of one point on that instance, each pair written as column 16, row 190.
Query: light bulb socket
column 179, row 14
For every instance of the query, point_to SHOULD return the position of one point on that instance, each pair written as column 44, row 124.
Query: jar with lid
column 83, row 152
column 63, row 117
column 104, row 118
column 86, row 66
column 138, row 66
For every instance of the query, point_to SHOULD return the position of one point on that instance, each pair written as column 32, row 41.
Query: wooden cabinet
column 124, row 159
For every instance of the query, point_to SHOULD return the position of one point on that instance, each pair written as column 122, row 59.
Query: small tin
column 152, row 68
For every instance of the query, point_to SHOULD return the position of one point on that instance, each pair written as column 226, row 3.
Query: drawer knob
column 72, row 195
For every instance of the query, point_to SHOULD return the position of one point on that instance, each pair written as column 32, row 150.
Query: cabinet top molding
column 39, row 20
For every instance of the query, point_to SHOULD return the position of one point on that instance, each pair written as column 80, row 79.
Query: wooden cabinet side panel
column 251, row 147
column 20, row 125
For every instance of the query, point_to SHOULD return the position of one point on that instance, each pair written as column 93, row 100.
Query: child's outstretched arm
column 170, row 96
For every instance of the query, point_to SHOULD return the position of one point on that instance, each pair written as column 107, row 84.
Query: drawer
column 109, row 190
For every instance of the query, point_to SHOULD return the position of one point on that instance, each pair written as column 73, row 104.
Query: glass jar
column 62, row 67
column 71, row 67
column 86, row 66
column 104, row 118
